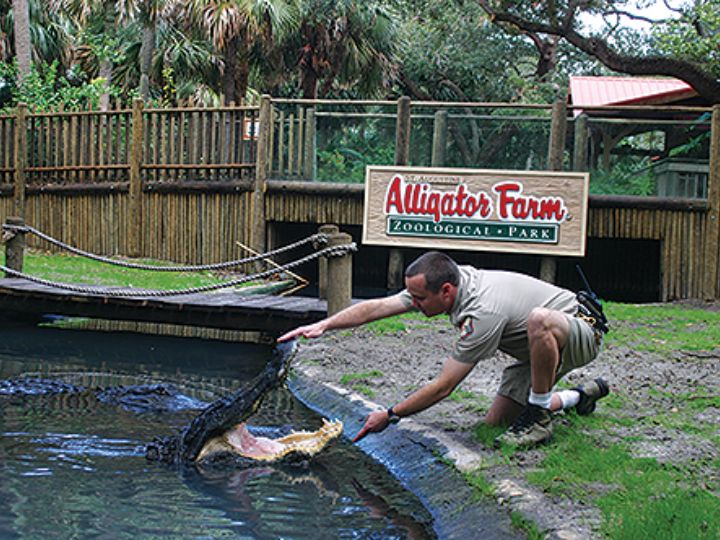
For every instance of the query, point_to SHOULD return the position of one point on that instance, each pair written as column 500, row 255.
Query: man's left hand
column 374, row 423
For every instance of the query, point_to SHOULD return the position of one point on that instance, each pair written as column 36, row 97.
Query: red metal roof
column 597, row 91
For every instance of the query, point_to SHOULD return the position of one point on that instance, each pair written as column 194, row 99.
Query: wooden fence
column 188, row 184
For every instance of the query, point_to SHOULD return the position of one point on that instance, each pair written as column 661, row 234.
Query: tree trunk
column 146, row 53
column 230, row 58
column 309, row 83
column 105, row 72
column 23, row 47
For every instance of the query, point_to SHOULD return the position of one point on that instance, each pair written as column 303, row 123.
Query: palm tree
column 146, row 12
column 235, row 27
column 345, row 44
column 96, row 30
column 23, row 49
column 29, row 32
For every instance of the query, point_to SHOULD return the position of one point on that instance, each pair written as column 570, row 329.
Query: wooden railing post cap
column 338, row 238
column 328, row 228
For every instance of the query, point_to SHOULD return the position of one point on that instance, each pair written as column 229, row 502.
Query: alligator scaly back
column 224, row 413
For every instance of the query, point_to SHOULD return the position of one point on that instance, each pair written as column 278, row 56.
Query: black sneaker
column 532, row 427
column 589, row 394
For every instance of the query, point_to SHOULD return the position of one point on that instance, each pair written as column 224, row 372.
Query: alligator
column 218, row 434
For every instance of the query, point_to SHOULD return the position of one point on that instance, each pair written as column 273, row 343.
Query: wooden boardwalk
column 21, row 299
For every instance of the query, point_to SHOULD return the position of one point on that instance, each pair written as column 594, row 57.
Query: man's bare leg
column 547, row 333
column 503, row 411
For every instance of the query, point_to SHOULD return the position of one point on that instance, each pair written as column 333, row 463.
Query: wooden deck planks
column 223, row 309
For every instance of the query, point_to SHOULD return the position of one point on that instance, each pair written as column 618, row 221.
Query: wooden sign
column 485, row 210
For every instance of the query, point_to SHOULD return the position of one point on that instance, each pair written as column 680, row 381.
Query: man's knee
column 544, row 324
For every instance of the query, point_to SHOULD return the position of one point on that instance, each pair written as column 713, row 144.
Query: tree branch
column 703, row 82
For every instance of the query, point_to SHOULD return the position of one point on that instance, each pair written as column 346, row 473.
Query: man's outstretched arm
column 355, row 315
column 452, row 374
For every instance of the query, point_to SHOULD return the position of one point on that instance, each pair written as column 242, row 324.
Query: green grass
column 361, row 376
column 642, row 498
column 483, row 488
column 528, row 527
column 74, row 269
column 395, row 324
column 461, row 395
column 662, row 329
column 364, row 389
column 638, row 497
column 360, row 382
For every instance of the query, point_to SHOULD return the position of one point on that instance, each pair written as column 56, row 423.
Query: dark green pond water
column 73, row 467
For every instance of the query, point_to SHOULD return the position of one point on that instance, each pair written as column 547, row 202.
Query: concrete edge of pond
column 410, row 453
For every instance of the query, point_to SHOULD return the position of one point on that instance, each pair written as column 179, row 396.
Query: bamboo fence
column 187, row 184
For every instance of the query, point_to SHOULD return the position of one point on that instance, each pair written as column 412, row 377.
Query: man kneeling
column 536, row 322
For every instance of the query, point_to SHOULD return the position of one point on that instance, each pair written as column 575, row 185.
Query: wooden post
column 402, row 157
column 300, row 139
column 135, row 233
column 310, row 144
column 258, row 197
column 20, row 158
column 712, row 241
column 339, row 285
column 322, row 261
column 439, row 138
column 558, row 129
column 15, row 246
column 402, row 132
column 580, row 151
column 556, row 152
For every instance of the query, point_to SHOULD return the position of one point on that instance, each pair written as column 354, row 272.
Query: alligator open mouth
column 298, row 444
column 219, row 430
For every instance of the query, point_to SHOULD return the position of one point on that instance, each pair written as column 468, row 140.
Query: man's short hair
column 437, row 268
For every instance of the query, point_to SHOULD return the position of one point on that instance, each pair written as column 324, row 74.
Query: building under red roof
column 599, row 91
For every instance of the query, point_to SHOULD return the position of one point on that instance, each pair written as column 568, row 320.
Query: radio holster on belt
column 589, row 306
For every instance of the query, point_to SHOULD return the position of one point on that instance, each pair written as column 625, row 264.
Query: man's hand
column 374, row 423
column 308, row 331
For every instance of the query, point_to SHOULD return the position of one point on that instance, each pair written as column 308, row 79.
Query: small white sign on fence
column 251, row 128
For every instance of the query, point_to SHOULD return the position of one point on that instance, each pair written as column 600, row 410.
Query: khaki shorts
column 582, row 347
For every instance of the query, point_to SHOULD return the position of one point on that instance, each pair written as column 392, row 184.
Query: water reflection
column 72, row 466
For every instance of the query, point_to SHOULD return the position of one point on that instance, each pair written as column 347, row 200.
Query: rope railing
column 332, row 251
column 317, row 239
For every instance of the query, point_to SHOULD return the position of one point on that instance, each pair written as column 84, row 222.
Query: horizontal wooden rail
column 216, row 186
column 184, row 166
column 316, row 188
column 64, row 114
column 648, row 203
column 253, row 108
column 65, row 168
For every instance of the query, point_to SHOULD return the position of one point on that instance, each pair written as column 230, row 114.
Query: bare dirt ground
column 408, row 359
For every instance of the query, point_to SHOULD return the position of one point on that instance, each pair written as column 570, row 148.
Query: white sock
column 541, row 400
column 569, row 398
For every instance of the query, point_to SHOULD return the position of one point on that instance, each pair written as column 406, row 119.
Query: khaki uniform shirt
column 491, row 310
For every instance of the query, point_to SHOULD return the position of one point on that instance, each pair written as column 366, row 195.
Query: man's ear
column 445, row 288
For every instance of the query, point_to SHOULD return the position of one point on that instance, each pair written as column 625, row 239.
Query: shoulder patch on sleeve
column 467, row 328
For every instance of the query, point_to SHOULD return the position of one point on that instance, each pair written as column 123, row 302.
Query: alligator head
column 220, row 429
column 240, row 445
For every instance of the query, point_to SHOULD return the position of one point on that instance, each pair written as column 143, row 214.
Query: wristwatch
column 392, row 417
